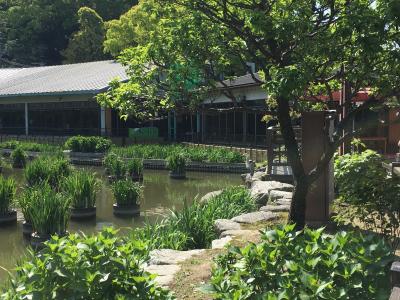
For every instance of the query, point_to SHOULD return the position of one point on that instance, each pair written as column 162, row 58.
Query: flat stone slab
column 221, row 225
column 165, row 273
column 255, row 217
column 171, row 257
column 276, row 194
column 238, row 233
column 210, row 195
column 258, row 176
column 282, row 201
column 221, row 243
column 276, row 208
column 260, row 190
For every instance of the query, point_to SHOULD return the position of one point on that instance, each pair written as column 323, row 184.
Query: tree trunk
column 298, row 207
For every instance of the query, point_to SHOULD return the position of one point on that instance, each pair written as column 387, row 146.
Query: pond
column 161, row 194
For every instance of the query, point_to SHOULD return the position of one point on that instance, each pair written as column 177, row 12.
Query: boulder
column 258, row 176
column 220, row 243
column 171, row 257
column 224, row 225
column 275, row 208
column 276, row 194
column 254, row 217
column 244, row 233
column 209, row 196
column 282, row 201
column 165, row 273
column 260, row 190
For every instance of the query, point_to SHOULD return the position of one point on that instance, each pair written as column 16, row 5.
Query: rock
column 224, row 225
column 210, row 195
column 258, row 176
column 255, row 217
column 275, row 208
column 171, row 257
column 282, row 201
column 221, row 243
column 244, row 176
column 237, row 233
column 260, row 190
column 276, row 194
column 165, row 273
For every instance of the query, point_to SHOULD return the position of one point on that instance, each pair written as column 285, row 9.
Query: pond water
column 161, row 194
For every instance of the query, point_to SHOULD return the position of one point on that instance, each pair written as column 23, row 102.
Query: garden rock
column 224, row 225
column 171, row 257
column 258, row 176
column 235, row 233
column 165, row 273
column 220, row 243
column 209, row 196
column 282, row 201
column 254, row 217
column 276, row 194
column 260, row 190
column 275, row 208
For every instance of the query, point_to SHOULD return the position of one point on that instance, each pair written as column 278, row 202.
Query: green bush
column 29, row 146
column 18, row 157
column 51, row 169
column 49, row 211
column 81, row 187
column 117, row 168
column 370, row 196
column 127, row 192
column 7, row 194
column 305, row 265
column 135, row 166
column 193, row 227
column 176, row 163
column 102, row 266
column 108, row 161
column 25, row 201
column 90, row 144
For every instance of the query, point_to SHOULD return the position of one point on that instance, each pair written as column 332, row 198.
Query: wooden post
column 26, row 119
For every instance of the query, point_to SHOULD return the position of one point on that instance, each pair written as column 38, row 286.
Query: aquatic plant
column 135, row 166
column 127, row 192
column 49, row 212
column 7, row 194
column 88, row 144
column 18, row 157
column 176, row 163
column 81, row 187
column 102, row 266
column 29, row 146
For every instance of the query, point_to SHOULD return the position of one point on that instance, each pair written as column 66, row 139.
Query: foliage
column 176, row 163
column 200, row 154
column 19, row 157
column 50, row 169
column 86, row 44
column 135, row 166
column 305, row 265
column 117, row 168
column 368, row 194
column 37, row 32
column 127, row 192
column 108, row 160
column 7, row 194
column 102, row 266
column 193, row 227
column 81, row 187
column 26, row 200
column 29, row 146
column 49, row 211
column 88, row 144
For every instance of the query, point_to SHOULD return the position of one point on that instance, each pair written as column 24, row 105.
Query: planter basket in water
column 8, row 218
column 126, row 210
column 83, row 213
column 177, row 175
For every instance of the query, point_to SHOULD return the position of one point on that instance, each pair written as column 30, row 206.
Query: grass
column 135, row 166
column 7, row 193
column 29, row 146
column 81, row 187
column 18, row 157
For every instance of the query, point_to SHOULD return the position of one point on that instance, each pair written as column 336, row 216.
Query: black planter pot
column 177, row 175
column 8, row 218
column 83, row 213
column 18, row 165
column 126, row 210
column 137, row 177
column 38, row 240
column 27, row 229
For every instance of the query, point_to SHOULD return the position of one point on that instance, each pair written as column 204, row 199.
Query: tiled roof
column 83, row 78
column 240, row 81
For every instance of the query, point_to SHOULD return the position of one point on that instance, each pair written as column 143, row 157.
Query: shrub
column 81, row 187
column 305, row 265
column 47, row 169
column 193, row 227
column 7, row 193
column 127, row 192
column 26, row 201
column 102, row 266
column 135, row 166
column 108, row 161
column 29, row 146
column 176, row 163
column 18, row 157
column 91, row 144
column 49, row 211
column 369, row 194
column 117, row 168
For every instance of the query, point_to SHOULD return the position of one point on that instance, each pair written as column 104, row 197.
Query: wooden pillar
column 108, row 121
column 26, row 119
column 244, row 126
column 315, row 126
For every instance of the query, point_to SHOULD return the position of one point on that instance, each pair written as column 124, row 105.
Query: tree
column 87, row 43
column 303, row 49
column 35, row 32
